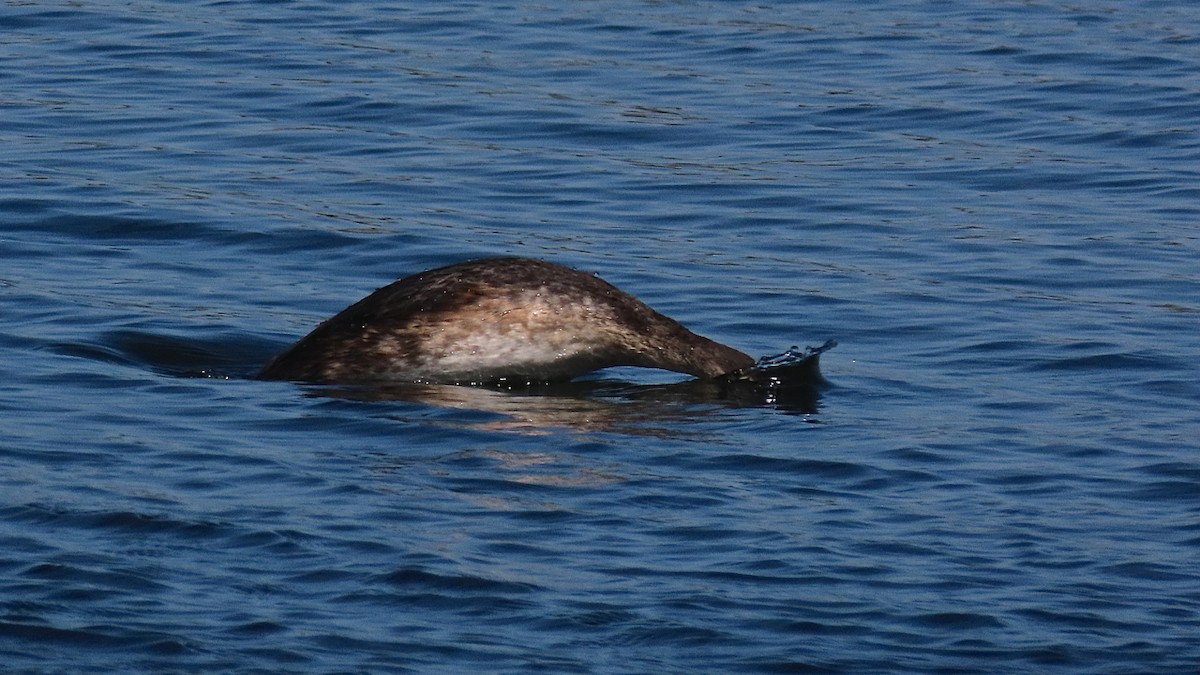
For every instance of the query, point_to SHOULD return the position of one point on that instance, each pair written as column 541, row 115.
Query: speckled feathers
column 497, row 319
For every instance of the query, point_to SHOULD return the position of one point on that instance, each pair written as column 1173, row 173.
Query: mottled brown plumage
column 510, row 320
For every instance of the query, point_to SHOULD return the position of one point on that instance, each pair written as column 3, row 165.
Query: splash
column 792, row 356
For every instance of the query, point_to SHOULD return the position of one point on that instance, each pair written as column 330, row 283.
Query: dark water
column 992, row 206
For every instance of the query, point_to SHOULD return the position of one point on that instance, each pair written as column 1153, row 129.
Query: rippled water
column 991, row 206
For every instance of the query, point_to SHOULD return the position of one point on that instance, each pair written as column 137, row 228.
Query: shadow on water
column 790, row 382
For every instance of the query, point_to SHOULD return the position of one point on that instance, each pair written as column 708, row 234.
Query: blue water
column 991, row 206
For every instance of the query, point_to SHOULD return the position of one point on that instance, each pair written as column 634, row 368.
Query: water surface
column 992, row 207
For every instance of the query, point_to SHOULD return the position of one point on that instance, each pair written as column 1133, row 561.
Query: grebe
column 497, row 320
